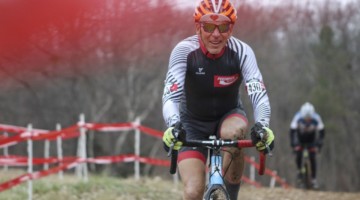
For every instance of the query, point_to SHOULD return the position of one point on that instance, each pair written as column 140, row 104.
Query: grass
column 97, row 187
column 110, row 188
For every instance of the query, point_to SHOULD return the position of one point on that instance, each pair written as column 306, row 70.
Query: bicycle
column 305, row 170
column 215, row 189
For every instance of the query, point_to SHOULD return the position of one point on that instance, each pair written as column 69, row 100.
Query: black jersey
column 205, row 87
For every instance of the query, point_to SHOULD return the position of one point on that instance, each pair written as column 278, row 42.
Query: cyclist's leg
column 312, row 157
column 298, row 159
column 233, row 126
column 192, row 172
column 191, row 160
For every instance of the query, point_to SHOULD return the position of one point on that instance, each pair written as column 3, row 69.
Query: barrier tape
column 73, row 131
column 16, row 129
column 109, row 127
column 66, row 133
column 99, row 160
column 36, row 175
column 13, row 160
column 254, row 183
column 267, row 171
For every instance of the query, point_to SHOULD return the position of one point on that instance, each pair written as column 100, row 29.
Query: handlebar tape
column 173, row 164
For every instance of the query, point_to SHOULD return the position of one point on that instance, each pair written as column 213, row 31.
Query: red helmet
column 215, row 10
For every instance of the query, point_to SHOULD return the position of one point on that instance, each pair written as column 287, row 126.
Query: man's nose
column 216, row 32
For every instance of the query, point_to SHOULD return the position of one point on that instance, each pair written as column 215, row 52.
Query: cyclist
column 303, row 133
column 201, row 93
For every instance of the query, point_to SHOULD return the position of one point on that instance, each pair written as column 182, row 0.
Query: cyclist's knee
column 234, row 129
column 236, row 152
column 193, row 191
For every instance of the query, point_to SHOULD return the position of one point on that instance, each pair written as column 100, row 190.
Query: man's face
column 214, row 35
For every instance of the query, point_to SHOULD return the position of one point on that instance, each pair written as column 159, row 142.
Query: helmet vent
column 216, row 7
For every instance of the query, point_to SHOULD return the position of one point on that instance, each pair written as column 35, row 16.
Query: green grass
column 109, row 188
column 97, row 188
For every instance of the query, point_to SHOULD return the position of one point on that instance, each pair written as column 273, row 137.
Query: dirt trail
column 250, row 193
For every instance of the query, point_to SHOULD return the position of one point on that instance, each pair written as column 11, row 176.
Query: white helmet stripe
column 216, row 9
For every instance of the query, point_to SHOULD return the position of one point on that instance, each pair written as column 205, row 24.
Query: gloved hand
column 268, row 137
column 171, row 137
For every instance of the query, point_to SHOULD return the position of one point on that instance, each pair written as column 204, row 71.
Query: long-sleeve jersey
column 206, row 87
column 304, row 131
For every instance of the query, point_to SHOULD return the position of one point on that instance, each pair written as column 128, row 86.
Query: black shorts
column 202, row 130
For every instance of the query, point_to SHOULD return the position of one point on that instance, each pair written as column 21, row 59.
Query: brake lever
column 170, row 149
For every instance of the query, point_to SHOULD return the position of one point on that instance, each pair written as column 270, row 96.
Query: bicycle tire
column 216, row 192
column 307, row 175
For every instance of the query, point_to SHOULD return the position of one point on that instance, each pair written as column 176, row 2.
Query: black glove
column 267, row 137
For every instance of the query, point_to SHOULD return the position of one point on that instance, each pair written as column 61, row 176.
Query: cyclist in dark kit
column 303, row 133
column 202, row 94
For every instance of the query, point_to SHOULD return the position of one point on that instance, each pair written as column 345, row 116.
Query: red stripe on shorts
column 191, row 154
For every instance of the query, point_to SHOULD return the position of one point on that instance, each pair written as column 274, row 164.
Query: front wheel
column 307, row 175
column 216, row 192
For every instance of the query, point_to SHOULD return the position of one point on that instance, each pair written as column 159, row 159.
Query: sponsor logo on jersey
column 224, row 81
column 174, row 87
column 200, row 71
column 254, row 86
column 170, row 88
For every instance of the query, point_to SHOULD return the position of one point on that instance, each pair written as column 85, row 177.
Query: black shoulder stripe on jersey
column 192, row 39
column 238, row 47
column 180, row 56
column 242, row 64
column 241, row 56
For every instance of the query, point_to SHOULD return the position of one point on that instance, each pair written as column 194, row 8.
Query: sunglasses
column 210, row 28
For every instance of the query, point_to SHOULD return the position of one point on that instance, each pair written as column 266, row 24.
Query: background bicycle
column 305, row 178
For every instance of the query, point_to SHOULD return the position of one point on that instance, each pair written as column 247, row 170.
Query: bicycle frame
column 216, row 181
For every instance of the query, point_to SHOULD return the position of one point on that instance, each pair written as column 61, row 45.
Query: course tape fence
column 21, row 134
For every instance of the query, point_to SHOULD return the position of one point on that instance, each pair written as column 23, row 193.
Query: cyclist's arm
column 293, row 129
column 255, row 87
column 174, row 85
column 320, row 126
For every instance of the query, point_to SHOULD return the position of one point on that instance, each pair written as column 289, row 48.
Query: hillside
column 106, row 188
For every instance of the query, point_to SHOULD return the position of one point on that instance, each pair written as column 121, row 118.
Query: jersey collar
column 207, row 53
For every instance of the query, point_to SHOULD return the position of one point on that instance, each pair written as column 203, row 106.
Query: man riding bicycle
column 201, row 94
column 303, row 134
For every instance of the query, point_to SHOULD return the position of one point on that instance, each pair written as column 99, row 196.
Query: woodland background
column 108, row 60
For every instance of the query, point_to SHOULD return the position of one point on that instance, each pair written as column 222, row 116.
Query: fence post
column 30, row 160
column 137, row 148
column 252, row 169
column 59, row 151
column 82, row 152
column 46, row 153
column 273, row 180
column 78, row 153
column 6, row 152
column 176, row 178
